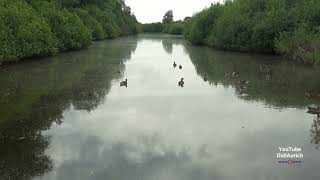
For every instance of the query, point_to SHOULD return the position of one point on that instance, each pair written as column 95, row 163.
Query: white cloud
column 148, row 11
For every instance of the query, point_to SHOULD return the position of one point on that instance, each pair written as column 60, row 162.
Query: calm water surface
column 67, row 118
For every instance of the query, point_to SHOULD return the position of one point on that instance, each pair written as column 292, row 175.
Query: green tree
column 168, row 17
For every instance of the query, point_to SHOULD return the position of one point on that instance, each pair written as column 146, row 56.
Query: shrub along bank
column 288, row 27
column 30, row 28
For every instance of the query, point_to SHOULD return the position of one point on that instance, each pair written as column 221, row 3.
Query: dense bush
column 66, row 26
column 167, row 26
column 92, row 24
column 199, row 26
column 152, row 27
column 22, row 32
column 31, row 28
column 174, row 28
column 111, row 29
column 261, row 26
column 301, row 45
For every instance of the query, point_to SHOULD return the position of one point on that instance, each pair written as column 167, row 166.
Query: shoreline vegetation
column 286, row 27
column 33, row 28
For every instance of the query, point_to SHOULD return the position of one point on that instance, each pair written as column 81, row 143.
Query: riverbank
column 44, row 28
column 289, row 28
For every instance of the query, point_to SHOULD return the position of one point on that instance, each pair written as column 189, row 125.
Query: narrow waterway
column 67, row 118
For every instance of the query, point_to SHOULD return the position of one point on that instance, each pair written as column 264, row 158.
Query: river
column 67, row 118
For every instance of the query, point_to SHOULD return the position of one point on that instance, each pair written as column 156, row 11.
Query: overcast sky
column 148, row 11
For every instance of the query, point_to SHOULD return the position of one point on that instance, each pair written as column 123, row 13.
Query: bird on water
column 181, row 82
column 124, row 83
column 174, row 64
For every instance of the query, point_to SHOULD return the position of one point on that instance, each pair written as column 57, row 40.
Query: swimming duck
column 234, row 74
column 314, row 110
column 265, row 69
column 180, row 67
column 174, row 64
column 181, row 82
column 243, row 81
column 310, row 94
column 124, row 83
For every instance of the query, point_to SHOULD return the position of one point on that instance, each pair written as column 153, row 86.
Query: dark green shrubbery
column 301, row 45
column 92, row 24
column 23, row 33
column 167, row 26
column 110, row 28
column 175, row 28
column 31, row 28
column 261, row 26
column 66, row 26
column 152, row 27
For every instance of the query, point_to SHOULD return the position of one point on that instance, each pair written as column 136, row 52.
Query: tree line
column 168, row 25
column 30, row 28
column 287, row 27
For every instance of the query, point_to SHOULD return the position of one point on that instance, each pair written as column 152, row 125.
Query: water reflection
column 278, row 83
column 34, row 95
column 154, row 129
column 167, row 43
column 148, row 159
column 167, row 46
column 315, row 132
column 24, row 158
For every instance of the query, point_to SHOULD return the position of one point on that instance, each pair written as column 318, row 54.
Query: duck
column 310, row 94
column 265, row 69
column 243, row 88
column 234, row 74
column 181, row 82
column 243, row 81
column 174, row 64
column 314, row 110
column 124, row 83
column 180, row 67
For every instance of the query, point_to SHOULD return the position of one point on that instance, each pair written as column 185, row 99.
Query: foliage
column 300, row 45
column 92, row 24
column 31, row 28
column 152, row 27
column 175, row 28
column 258, row 25
column 66, row 26
column 199, row 26
column 168, row 17
column 23, row 33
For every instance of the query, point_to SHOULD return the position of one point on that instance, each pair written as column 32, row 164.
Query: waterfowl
column 124, row 83
column 181, row 82
column 180, row 67
column 243, row 88
column 234, row 74
column 243, row 81
column 310, row 94
column 265, row 69
column 314, row 110
column 174, row 64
